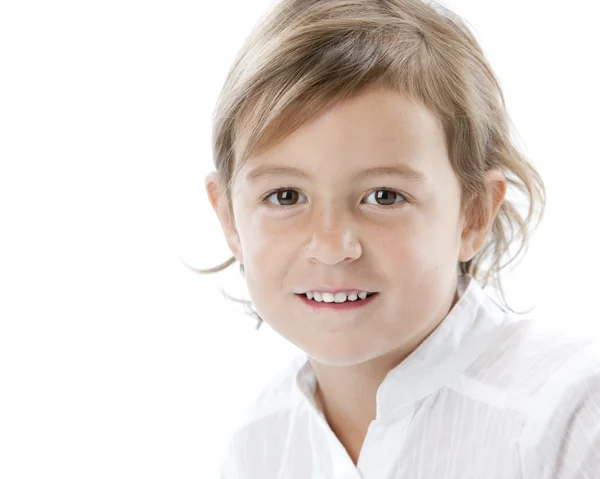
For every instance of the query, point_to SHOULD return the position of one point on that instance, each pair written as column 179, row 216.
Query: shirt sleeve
column 579, row 456
column 229, row 465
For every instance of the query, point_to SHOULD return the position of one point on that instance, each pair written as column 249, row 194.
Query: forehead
column 378, row 127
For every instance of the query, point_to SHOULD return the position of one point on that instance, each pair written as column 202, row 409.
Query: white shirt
column 484, row 396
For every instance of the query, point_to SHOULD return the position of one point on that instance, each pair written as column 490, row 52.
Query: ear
column 218, row 200
column 476, row 232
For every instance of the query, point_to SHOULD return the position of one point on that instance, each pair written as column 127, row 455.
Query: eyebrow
column 402, row 170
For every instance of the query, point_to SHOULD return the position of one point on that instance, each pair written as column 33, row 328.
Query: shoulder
column 558, row 370
column 276, row 396
column 539, row 363
column 552, row 379
column 563, row 429
column 264, row 421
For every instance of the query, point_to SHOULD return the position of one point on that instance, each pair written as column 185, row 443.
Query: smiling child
column 363, row 156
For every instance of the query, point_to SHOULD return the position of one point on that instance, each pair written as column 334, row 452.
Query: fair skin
column 334, row 229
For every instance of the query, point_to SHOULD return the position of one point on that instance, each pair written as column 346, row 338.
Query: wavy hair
column 304, row 56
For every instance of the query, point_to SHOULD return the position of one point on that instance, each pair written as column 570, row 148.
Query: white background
column 115, row 359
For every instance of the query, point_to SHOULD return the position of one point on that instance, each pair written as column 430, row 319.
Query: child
column 333, row 109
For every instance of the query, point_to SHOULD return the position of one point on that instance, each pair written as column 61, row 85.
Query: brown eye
column 284, row 197
column 387, row 197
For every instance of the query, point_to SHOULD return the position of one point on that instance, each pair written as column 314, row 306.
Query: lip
column 333, row 306
column 325, row 289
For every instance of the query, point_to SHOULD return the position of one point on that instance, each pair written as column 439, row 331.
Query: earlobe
column 467, row 247
column 474, row 238
column 220, row 205
column 211, row 184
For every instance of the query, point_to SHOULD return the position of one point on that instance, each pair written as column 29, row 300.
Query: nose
column 332, row 246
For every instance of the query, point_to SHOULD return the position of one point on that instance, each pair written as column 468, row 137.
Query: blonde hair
column 306, row 55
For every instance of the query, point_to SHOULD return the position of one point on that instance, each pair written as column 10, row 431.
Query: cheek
column 400, row 246
column 272, row 239
column 416, row 245
column 265, row 245
column 255, row 238
column 267, row 258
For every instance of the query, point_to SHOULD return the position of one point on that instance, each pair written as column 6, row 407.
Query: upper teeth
column 338, row 297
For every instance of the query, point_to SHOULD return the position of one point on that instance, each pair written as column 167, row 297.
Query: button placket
column 383, row 441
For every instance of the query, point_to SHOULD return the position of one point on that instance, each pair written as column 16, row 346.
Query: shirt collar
column 466, row 331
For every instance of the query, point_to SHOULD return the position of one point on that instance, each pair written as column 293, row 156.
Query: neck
column 348, row 398
column 348, row 394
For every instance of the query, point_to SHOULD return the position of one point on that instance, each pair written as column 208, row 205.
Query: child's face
column 336, row 228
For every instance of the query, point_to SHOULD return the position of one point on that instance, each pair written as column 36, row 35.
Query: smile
column 341, row 306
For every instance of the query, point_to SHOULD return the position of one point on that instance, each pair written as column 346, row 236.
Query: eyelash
column 289, row 188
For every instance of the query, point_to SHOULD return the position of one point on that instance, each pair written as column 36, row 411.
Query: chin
column 341, row 353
